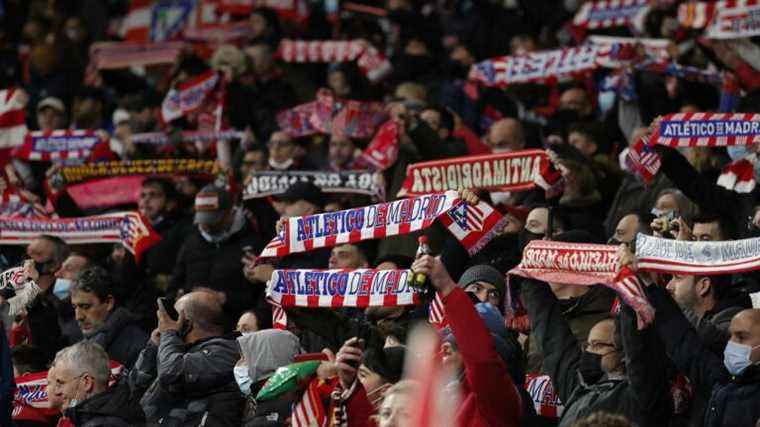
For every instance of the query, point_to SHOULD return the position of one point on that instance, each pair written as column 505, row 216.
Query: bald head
column 506, row 135
column 745, row 330
column 204, row 310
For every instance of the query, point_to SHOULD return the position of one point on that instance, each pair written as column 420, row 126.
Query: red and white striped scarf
column 515, row 171
column 584, row 264
column 437, row 313
column 735, row 23
column 12, row 119
column 610, row 13
column 127, row 228
column 697, row 15
column 190, row 95
column 341, row 288
column 707, row 129
column 64, row 146
column 369, row 60
column 382, row 151
column 697, row 258
column 113, row 55
column 472, row 225
column 739, row 176
column 309, row 411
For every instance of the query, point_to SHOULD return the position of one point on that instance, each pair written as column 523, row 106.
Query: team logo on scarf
column 514, row 171
column 268, row 183
column 341, row 288
column 127, row 228
column 189, row 96
column 472, row 225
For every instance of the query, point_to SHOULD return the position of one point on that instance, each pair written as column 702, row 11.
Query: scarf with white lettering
column 610, row 13
column 341, row 288
column 702, row 258
column 63, row 146
column 707, row 129
column 697, row 15
column 268, row 183
column 472, row 225
column 514, row 171
column 113, row 55
column 584, row 264
column 161, row 138
column 128, row 228
column 370, row 61
column 735, row 23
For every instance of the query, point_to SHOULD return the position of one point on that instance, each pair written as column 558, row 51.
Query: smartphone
column 168, row 305
column 360, row 345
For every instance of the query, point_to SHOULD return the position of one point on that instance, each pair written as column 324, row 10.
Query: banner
column 62, row 145
column 12, row 119
column 472, row 225
column 515, row 171
column 188, row 96
column 147, row 167
column 735, row 23
column 370, row 61
column 707, row 129
column 610, row 13
column 341, row 288
column 584, row 264
column 114, row 55
column 128, row 228
column 268, row 183
column 536, row 66
column 702, row 258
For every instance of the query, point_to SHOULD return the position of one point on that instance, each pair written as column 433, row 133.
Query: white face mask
column 243, row 379
column 61, row 288
column 736, row 357
column 280, row 165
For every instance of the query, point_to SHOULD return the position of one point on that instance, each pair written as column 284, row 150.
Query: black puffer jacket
column 731, row 400
column 111, row 408
column 121, row 337
column 218, row 266
column 642, row 395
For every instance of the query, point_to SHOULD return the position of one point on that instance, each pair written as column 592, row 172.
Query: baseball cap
column 53, row 103
column 210, row 205
column 304, row 191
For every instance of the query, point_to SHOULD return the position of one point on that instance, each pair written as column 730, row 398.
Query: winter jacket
column 161, row 257
column 642, row 395
column 581, row 314
column 731, row 400
column 114, row 407
column 634, row 196
column 708, row 195
column 120, row 337
column 217, row 266
column 489, row 396
column 187, row 383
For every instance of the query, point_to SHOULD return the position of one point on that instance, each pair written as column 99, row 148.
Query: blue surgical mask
column 61, row 288
column 243, row 379
column 736, row 357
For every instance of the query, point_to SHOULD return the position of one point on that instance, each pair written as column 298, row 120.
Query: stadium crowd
column 533, row 213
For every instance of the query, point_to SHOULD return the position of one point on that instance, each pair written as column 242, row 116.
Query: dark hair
column 28, row 358
column 206, row 314
column 447, row 119
column 61, row 250
column 401, row 261
column 594, row 131
column 719, row 284
column 94, row 280
column 727, row 229
column 166, row 185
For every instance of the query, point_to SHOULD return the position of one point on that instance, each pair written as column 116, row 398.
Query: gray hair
column 85, row 357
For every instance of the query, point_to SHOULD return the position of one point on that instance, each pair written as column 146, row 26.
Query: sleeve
column 645, row 362
column 682, row 344
column 143, row 372
column 496, row 394
column 192, row 372
column 561, row 351
column 708, row 195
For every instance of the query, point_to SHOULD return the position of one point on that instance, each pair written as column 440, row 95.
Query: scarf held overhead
column 697, row 258
column 707, row 129
column 472, row 225
column 268, row 183
column 127, row 228
column 341, row 288
column 515, row 171
column 584, row 264
column 610, row 13
column 62, row 145
column 369, row 60
column 88, row 171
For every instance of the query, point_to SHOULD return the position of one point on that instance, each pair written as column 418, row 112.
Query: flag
column 436, row 313
column 12, row 121
column 309, row 411
column 642, row 161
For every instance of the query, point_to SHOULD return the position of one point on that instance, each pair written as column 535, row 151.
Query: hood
column 267, row 350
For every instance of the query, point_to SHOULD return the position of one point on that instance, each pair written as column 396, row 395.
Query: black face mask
column 614, row 241
column 41, row 268
column 590, row 367
column 525, row 237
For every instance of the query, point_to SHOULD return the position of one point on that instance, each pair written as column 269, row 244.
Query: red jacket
column 489, row 397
